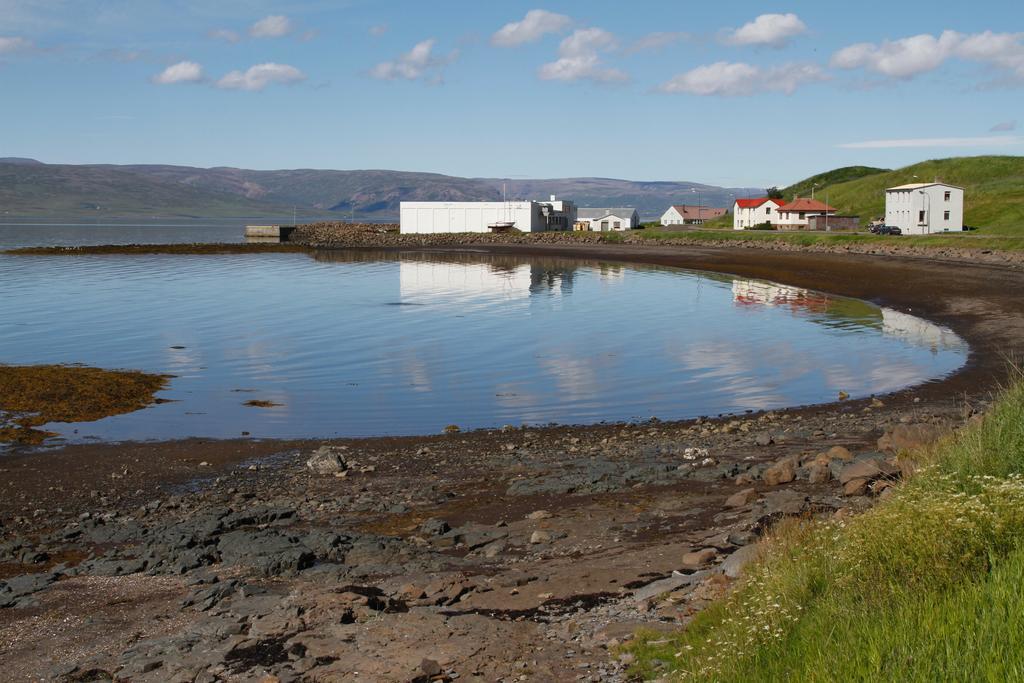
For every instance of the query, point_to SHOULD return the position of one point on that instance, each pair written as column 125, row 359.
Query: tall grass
column 926, row 586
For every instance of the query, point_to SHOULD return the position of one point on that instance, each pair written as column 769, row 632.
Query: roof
column 620, row 212
column 698, row 212
column 918, row 186
column 754, row 203
column 804, row 204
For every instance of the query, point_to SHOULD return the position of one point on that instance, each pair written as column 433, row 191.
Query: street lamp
column 699, row 212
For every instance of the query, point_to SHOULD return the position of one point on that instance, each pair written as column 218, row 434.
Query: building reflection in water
column 846, row 313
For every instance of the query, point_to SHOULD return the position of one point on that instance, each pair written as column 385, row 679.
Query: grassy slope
column 1010, row 242
column 829, row 178
column 926, row 586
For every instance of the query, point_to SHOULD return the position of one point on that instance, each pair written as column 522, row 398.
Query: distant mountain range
column 33, row 190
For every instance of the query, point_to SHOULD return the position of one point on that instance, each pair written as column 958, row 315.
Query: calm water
column 361, row 344
column 56, row 234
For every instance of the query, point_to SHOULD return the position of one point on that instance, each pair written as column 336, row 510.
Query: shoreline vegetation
column 35, row 395
column 923, row 586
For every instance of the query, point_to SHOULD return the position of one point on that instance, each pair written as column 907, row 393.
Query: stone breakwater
column 347, row 235
column 515, row 554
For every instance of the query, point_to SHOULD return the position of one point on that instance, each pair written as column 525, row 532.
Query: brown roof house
column 796, row 214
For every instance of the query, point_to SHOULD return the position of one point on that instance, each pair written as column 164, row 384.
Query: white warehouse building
column 924, row 208
column 525, row 216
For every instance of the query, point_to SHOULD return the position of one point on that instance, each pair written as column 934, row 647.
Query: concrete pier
column 280, row 232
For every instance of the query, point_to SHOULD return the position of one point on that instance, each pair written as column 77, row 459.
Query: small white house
column 924, row 208
column 683, row 214
column 526, row 216
column 746, row 213
column 603, row 220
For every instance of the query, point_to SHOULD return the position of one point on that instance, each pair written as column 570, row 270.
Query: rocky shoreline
column 386, row 236
column 514, row 554
column 517, row 554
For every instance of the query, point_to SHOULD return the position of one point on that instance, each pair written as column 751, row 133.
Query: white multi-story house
column 746, row 213
column 603, row 220
column 924, row 208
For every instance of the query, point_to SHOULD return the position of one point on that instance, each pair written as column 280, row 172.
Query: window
column 945, row 215
column 618, row 225
column 803, row 214
column 767, row 209
column 920, row 217
column 948, row 194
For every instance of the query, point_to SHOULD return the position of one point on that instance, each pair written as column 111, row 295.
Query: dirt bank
column 521, row 554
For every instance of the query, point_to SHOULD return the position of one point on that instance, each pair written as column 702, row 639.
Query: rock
column 327, row 460
column 452, row 429
column 266, row 551
column 540, row 536
column 741, row 498
column 855, row 487
column 539, row 514
column 910, row 436
column 764, row 439
column 843, row 396
column 667, row 585
column 430, row 668
column 734, row 564
column 840, row 453
column 869, row 469
column 698, row 558
column 782, row 472
column 818, row 473
column 434, row 527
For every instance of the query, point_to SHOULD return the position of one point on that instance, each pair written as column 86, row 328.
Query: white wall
column 903, row 209
column 431, row 217
column 671, row 217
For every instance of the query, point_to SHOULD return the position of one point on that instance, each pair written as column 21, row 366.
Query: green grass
column 962, row 240
column 926, row 586
column 993, row 197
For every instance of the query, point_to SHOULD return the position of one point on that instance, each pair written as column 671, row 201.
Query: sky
column 731, row 93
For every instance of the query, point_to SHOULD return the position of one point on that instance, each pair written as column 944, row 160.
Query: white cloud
column 274, row 26
column 224, row 34
column 417, row 63
column 182, row 72
column 915, row 55
column 988, row 141
column 659, row 39
column 735, row 79
column 775, row 30
column 14, row 44
column 260, row 76
column 579, row 58
column 1003, row 127
column 535, row 25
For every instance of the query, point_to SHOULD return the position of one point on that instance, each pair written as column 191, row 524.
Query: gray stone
column 327, row 460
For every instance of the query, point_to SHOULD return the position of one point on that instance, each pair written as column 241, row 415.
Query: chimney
column 552, row 197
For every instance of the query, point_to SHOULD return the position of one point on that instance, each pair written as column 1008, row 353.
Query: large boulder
column 782, row 472
column 327, row 460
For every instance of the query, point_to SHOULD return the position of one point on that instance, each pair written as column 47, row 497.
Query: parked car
column 886, row 230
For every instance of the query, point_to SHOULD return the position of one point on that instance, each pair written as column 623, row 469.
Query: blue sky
column 737, row 93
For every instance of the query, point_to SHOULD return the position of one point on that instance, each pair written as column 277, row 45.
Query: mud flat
column 516, row 554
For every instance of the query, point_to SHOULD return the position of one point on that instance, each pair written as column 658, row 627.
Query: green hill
column 835, row 177
column 993, row 189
